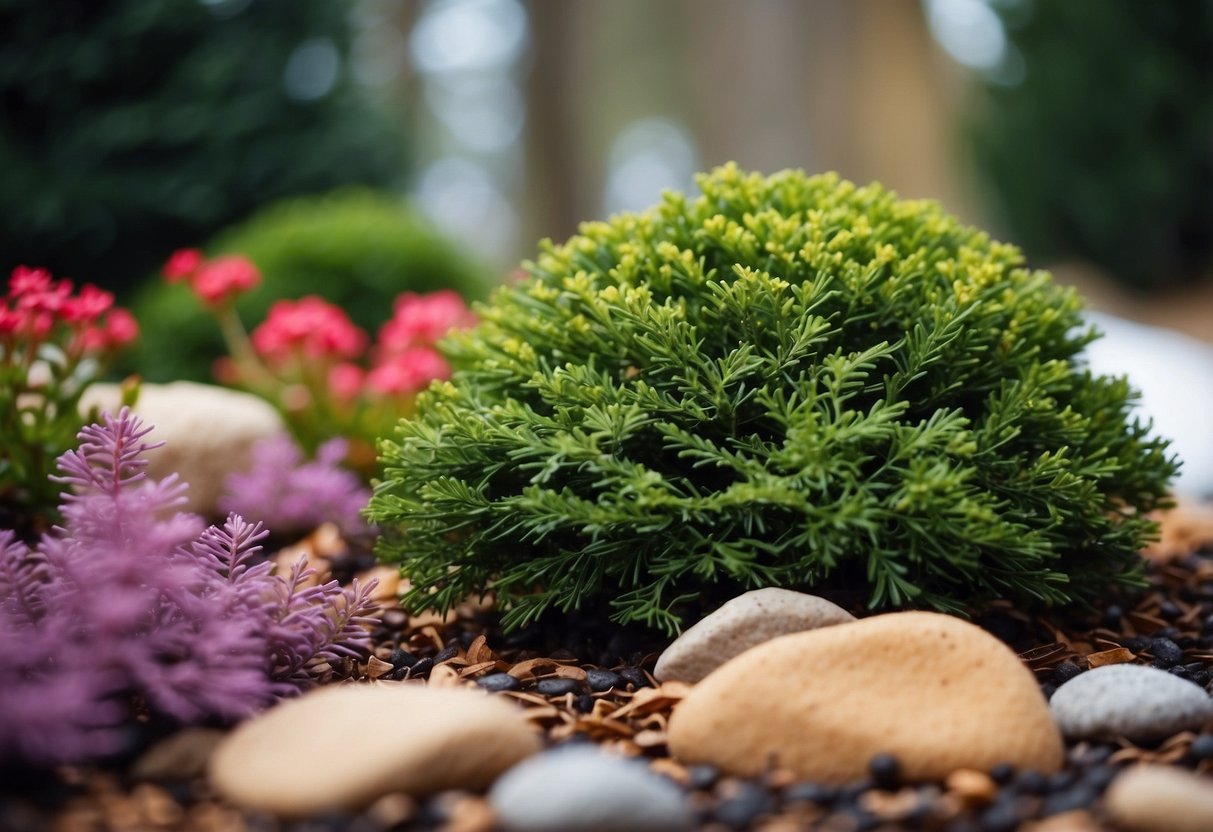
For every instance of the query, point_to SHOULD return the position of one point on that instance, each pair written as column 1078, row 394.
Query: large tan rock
column 738, row 625
column 208, row 432
column 1161, row 799
column 343, row 747
column 935, row 691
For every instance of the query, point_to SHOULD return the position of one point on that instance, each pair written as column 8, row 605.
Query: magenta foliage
column 290, row 494
column 131, row 604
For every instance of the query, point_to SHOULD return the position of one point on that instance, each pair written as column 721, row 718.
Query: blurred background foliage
column 1081, row 129
column 355, row 247
column 1100, row 144
column 130, row 127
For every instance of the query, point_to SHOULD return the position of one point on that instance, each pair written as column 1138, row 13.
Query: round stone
column 1161, row 799
column 935, row 692
column 1139, row 703
column 208, row 431
column 740, row 624
column 582, row 789
column 342, row 747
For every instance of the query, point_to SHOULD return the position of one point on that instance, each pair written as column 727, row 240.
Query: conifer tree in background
column 1104, row 150
column 131, row 127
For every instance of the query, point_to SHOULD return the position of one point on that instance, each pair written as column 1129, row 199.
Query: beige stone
column 935, row 691
column 343, row 747
column 1161, row 799
column 740, row 624
column 208, row 432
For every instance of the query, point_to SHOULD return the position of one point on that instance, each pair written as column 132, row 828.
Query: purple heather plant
column 132, row 607
column 290, row 494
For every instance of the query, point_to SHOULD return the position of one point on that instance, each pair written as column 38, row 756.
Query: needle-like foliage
column 785, row 381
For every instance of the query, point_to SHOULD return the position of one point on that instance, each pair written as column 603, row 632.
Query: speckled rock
column 208, row 432
column 582, row 789
column 936, row 692
column 342, row 747
column 741, row 623
column 1161, row 799
column 1129, row 700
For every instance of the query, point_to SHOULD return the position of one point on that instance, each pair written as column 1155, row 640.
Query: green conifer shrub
column 785, row 381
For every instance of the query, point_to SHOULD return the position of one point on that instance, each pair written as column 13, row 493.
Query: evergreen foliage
column 356, row 248
column 1124, row 180
column 785, row 381
column 129, row 128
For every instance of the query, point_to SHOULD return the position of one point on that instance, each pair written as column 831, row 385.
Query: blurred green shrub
column 1104, row 150
column 356, row 248
column 129, row 128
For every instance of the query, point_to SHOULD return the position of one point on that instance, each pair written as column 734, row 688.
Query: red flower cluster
column 36, row 304
column 310, row 359
column 216, row 282
column 405, row 358
column 311, row 328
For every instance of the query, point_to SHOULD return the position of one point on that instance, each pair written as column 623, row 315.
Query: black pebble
column 1065, row 671
column 811, row 792
column 1100, row 777
column 601, row 680
column 1166, row 651
column 498, row 682
column 585, row 703
column 702, row 776
column 1001, row 817
column 1002, row 773
column 1079, row 796
column 1031, row 781
column 422, row 667
column 1169, row 610
column 1202, row 747
column 741, row 810
column 885, row 770
column 449, row 652
column 557, row 687
column 1112, row 616
column 634, row 676
column 1048, row 689
column 402, row 658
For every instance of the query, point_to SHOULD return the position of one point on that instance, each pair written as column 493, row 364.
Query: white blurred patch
column 1174, row 373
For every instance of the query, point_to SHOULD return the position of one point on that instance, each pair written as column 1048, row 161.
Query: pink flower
column 25, row 280
column 311, row 327
column 220, row 280
column 118, row 330
column 345, row 381
column 182, row 265
column 88, row 306
column 421, row 320
column 408, row 372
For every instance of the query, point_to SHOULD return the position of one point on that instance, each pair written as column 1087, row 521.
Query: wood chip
column 376, row 668
column 1118, row 655
column 974, row 788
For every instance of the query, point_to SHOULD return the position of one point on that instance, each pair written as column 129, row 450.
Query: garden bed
column 582, row 683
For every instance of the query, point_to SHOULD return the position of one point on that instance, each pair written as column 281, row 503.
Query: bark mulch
column 579, row 684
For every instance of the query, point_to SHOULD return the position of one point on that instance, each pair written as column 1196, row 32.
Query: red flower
column 118, row 330
column 310, row 327
column 421, row 320
column 220, row 280
column 25, row 280
column 408, row 372
column 182, row 265
column 345, row 381
column 88, row 306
